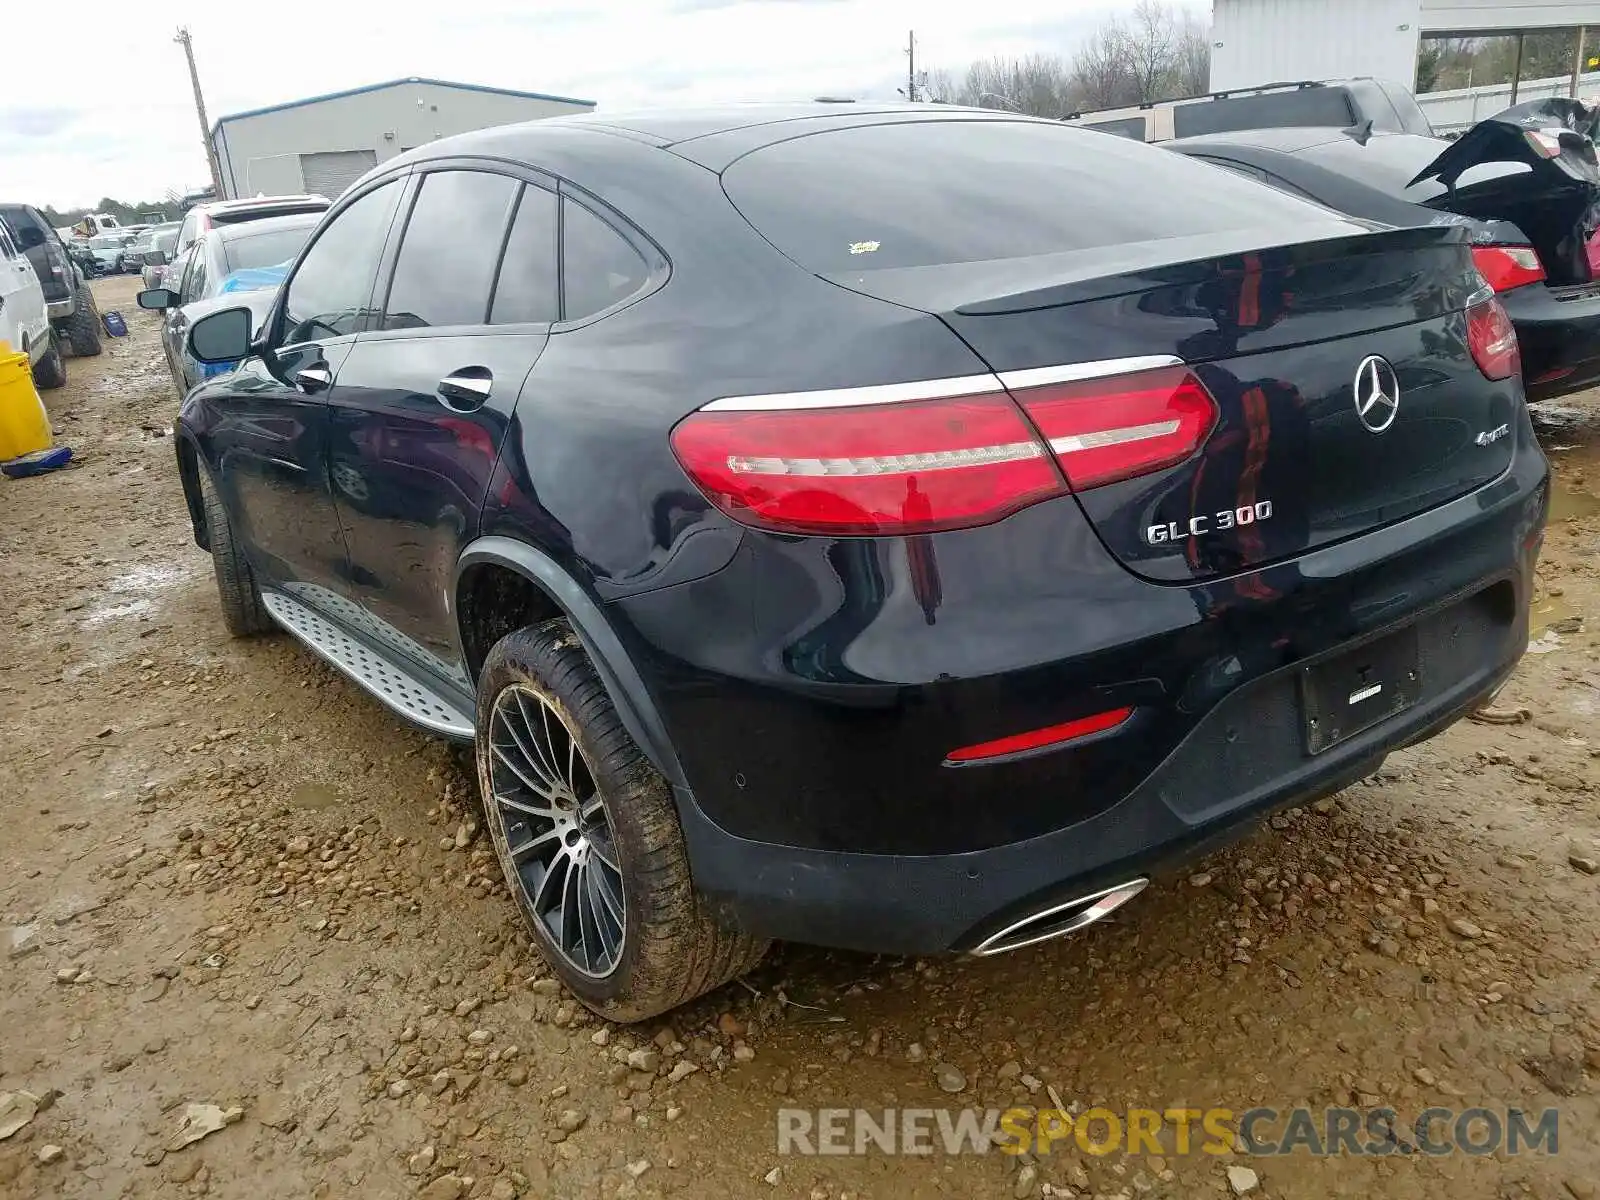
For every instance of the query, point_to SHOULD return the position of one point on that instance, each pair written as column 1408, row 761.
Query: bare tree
column 1039, row 85
column 1162, row 52
column 941, row 87
column 1191, row 58
column 1102, row 68
column 1150, row 42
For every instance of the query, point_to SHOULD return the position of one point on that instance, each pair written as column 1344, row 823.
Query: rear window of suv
column 908, row 195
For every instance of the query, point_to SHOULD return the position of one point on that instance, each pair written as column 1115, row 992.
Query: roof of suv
column 224, row 208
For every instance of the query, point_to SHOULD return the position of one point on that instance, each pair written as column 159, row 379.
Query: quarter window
column 445, row 272
column 330, row 293
column 599, row 266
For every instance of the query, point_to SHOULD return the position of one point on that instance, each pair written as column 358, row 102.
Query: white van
column 24, row 319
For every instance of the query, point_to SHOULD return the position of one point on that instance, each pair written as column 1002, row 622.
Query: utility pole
column 200, row 110
column 911, row 66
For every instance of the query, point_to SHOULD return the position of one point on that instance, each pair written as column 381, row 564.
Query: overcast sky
column 123, row 124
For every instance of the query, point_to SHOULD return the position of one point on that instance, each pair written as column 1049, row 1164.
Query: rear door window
column 910, row 195
column 445, row 272
column 529, row 289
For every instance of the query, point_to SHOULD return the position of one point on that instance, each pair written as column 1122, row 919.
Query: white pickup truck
column 24, row 319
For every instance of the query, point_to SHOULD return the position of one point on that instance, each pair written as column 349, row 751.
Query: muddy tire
column 587, row 833
column 242, row 610
column 50, row 372
column 82, row 329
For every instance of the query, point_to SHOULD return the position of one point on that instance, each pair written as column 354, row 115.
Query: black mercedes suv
column 889, row 528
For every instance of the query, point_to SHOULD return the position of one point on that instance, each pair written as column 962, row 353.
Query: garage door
column 331, row 172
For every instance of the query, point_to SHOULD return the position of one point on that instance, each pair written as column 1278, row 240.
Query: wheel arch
column 567, row 598
column 188, row 453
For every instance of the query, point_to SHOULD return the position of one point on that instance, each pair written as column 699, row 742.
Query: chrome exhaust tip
column 1060, row 919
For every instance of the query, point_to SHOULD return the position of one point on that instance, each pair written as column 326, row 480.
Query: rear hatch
column 1054, row 248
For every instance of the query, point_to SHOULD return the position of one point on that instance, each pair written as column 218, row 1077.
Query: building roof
column 378, row 87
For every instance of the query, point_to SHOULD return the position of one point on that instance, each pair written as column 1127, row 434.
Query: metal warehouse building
column 324, row 144
column 1254, row 42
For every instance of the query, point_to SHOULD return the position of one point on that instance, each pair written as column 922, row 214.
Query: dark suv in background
column 73, row 314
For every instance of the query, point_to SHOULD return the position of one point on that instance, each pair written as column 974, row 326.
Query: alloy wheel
column 556, row 838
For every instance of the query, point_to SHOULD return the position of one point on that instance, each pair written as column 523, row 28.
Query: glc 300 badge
column 1228, row 518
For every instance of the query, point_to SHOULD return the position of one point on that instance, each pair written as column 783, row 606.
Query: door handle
column 313, row 379
column 465, row 390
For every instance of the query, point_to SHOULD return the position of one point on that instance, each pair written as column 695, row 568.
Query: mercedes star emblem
column 1377, row 393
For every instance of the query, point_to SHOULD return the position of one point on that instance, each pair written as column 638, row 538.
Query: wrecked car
column 1525, row 182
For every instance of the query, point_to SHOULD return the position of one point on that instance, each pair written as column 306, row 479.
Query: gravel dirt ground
column 228, row 878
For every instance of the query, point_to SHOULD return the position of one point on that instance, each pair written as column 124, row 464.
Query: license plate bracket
column 1353, row 692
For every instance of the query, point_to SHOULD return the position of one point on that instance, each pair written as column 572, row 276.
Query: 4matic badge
column 1228, row 518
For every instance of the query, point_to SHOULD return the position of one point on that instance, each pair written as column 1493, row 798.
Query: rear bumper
column 1243, row 760
column 1559, row 338
column 808, row 771
column 59, row 310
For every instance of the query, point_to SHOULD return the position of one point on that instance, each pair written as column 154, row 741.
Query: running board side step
column 375, row 671
column 1060, row 919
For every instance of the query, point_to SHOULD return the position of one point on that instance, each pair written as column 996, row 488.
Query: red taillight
column 1507, row 267
column 1103, row 430
column 1038, row 739
column 911, row 467
column 1492, row 339
column 1546, row 143
column 949, row 454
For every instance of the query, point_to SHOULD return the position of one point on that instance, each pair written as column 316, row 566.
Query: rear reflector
column 1492, row 338
column 1507, row 267
column 1104, row 430
column 915, row 466
column 1038, row 739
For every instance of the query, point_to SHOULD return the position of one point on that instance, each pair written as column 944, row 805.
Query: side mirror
column 158, row 298
column 156, row 258
column 221, row 337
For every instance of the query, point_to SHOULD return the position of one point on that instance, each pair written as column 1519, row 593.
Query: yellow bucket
column 24, row 425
